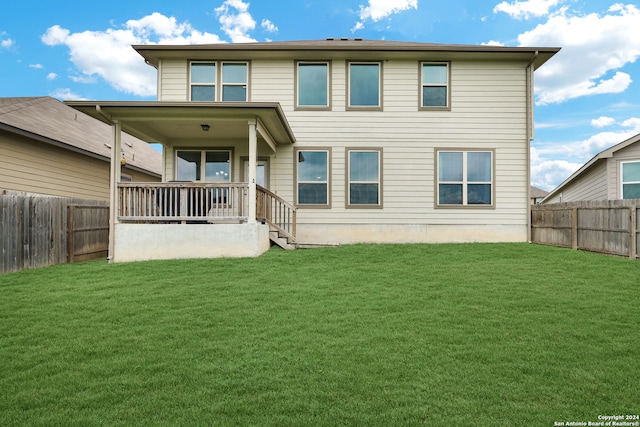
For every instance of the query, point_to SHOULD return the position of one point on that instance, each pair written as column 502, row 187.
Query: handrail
column 203, row 202
column 183, row 201
column 276, row 212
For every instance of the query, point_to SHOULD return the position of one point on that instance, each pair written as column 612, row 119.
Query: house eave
column 344, row 49
column 140, row 118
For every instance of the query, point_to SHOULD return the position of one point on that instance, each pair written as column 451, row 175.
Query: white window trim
column 223, row 84
column 622, row 182
column 214, row 84
column 218, row 83
column 465, row 182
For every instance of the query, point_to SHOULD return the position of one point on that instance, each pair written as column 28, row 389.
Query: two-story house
column 333, row 141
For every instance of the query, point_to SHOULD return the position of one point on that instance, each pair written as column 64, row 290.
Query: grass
column 472, row 334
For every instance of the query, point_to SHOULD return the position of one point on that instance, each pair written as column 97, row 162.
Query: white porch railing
column 183, row 201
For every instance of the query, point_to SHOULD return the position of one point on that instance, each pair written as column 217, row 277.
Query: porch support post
column 253, row 162
column 113, row 183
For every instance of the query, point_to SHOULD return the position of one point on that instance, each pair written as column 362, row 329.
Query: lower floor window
column 203, row 165
column 630, row 180
column 364, row 178
column 465, row 178
column 312, row 183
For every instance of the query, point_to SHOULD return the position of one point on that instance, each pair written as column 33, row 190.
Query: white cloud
column 52, row 76
column 493, row 43
column 84, row 79
column 269, row 26
column 548, row 174
column 378, row 10
column 594, row 49
column 37, row 66
column 633, row 123
column 602, row 121
column 65, row 94
column 552, row 163
column 7, row 43
column 108, row 54
column 526, row 9
column 236, row 21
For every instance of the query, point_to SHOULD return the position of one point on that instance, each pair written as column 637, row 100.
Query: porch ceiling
column 164, row 122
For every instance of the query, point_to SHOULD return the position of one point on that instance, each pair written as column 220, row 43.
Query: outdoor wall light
column 123, row 161
column 205, row 127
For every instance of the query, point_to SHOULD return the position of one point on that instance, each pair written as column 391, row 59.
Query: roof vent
column 330, row 38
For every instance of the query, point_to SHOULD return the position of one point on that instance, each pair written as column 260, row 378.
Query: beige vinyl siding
column 174, row 82
column 35, row 167
column 39, row 168
column 592, row 185
column 486, row 113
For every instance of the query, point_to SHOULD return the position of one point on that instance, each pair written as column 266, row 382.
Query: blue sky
column 587, row 97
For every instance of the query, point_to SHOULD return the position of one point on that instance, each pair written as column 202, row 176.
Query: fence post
column 633, row 231
column 574, row 228
column 70, row 233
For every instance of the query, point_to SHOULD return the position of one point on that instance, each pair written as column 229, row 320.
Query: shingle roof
column 537, row 192
column 58, row 124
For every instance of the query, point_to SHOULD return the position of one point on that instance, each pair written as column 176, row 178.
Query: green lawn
column 388, row 335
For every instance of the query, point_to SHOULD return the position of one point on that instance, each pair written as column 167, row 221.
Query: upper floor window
column 234, row 81
column 364, row 178
column 203, row 81
column 312, row 90
column 630, row 180
column 312, row 177
column 434, row 85
column 465, row 178
column 365, row 85
column 205, row 75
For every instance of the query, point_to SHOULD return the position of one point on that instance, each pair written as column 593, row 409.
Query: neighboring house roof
column 601, row 156
column 389, row 49
column 537, row 193
column 50, row 121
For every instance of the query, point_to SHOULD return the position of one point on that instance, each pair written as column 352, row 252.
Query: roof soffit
column 351, row 49
column 166, row 122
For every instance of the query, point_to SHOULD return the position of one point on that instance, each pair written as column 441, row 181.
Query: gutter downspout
column 530, row 135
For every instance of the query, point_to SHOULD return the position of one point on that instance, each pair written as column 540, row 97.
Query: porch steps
column 280, row 240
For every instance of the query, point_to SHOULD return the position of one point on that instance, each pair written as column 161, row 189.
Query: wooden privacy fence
column 608, row 227
column 38, row 231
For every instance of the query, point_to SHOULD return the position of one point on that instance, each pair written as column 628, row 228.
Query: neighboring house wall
column 488, row 111
column 629, row 153
column 600, row 178
column 592, row 186
column 34, row 167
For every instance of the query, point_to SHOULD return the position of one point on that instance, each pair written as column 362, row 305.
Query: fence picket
column 608, row 227
column 34, row 230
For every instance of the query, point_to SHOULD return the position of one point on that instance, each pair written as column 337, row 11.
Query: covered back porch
column 202, row 217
